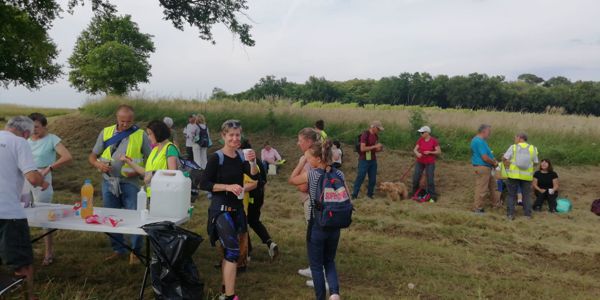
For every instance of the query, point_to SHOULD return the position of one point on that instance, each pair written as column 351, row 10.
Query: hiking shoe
column 305, row 272
column 274, row 251
column 479, row 211
column 510, row 217
column 311, row 284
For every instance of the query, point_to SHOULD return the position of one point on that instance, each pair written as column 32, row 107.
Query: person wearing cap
column 367, row 159
column 426, row 150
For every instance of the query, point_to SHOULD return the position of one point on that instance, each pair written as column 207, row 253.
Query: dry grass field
column 441, row 248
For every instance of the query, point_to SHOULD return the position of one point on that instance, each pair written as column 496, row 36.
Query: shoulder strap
column 120, row 136
column 240, row 155
column 221, row 157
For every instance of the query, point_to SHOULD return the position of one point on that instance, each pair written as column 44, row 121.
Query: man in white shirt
column 17, row 165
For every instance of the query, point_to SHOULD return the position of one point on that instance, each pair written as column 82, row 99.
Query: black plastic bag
column 174, row 274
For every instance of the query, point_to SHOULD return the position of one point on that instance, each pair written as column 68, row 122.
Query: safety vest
column 515, row 172
column 134, row 148
column 157, row 161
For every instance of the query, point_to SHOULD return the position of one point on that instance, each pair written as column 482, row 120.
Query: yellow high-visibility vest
column 157, row 161
column 134, row 148
column 515, row 172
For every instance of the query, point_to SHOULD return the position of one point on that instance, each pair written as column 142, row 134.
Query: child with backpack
column 331, row 210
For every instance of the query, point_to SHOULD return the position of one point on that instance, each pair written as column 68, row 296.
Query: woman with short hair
column 45, row 146
column 224, row 179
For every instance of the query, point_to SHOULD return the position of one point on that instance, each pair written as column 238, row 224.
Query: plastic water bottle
column 142, row 199
column 87, row 199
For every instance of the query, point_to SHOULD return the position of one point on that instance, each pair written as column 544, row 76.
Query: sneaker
column 479, row 211
column 305, row 272
column 311, row 284
column 510, row 217
column 274, row 251
column 335, row 297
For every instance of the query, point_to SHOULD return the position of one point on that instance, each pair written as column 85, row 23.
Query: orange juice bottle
column 87, row 199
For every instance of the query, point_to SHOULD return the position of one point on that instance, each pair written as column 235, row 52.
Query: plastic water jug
column 171, row 194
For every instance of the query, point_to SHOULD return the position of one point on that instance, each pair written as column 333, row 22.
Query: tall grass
column 10, row 110
column 568, row 140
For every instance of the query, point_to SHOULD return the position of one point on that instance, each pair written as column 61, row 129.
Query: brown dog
column 396, row 191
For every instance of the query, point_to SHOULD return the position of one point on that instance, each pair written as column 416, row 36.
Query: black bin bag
column 174, row 274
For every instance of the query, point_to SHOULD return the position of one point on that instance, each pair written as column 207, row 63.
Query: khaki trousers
column 485, row 187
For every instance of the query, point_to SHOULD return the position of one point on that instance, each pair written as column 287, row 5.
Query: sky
column 346, row 39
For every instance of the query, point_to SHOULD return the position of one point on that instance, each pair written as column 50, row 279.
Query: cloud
column 353, row 39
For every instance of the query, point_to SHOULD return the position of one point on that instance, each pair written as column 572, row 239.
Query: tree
column 26, row 51
column 24, row 26
column 530, row 78
column 218, row 93
column 110, row 56
column 556, row 81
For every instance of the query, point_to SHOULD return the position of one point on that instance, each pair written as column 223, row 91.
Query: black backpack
column 357, row 143
column 203, row 137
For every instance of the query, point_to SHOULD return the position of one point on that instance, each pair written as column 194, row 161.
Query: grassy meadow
column 441, row 248
column 566, row 139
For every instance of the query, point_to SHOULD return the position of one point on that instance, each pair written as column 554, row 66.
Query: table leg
column 147, row 264
column 49, row 232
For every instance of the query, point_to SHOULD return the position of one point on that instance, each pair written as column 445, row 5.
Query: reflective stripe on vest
column 134, row 148
column 514, row 172
column 157, row 161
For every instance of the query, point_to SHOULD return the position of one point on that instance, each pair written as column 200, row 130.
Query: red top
column 369, row 139
column 427, row 146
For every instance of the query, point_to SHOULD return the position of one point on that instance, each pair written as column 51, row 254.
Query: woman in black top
column 545, row 185
column 224, row 179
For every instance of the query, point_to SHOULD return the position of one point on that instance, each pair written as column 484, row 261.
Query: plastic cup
column 551, row 191
column 241, row 195
column 246, row 151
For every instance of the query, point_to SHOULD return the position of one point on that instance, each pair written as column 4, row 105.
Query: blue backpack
column 333, row 209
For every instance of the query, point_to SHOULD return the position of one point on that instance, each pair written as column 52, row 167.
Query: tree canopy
column 28, row 53
column 110, row 56
column 472, row 91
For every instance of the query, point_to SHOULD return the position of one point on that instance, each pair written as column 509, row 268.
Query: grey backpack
column 523, row 159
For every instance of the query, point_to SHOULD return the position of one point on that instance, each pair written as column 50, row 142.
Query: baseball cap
column 424, row 129
column 377, row 124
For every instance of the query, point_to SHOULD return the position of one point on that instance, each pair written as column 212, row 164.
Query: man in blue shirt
column 483, row 163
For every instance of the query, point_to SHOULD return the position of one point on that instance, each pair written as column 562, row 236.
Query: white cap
column 424, row 129
column 168, row 121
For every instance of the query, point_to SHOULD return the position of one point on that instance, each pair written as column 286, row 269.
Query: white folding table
column 131, row 224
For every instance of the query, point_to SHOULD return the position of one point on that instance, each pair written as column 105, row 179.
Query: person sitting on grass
column 164, row 155
column 545, row 186
column 270, row 156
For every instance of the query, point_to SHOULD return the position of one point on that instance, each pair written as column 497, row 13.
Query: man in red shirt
column 427, row 149
column 367, row 159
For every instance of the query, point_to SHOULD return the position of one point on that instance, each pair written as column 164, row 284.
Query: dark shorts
column 15, row 243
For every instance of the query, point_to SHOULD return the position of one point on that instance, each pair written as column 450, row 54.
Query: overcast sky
column 345, row 39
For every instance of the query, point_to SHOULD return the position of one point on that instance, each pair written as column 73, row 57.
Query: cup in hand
column 246, row 152
column 241, row 195
column 551, row 191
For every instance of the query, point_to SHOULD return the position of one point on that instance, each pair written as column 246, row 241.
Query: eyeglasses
column 232, row 124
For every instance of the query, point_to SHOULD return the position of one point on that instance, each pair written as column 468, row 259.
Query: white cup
column 241, row 195
column 551, row 191
column 246, row 151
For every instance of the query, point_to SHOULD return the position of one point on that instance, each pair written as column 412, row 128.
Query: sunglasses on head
column 233, row 124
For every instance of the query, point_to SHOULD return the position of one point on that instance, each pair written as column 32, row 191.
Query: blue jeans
column 127, row 200
column 514, row 186
column 366, row 167
column 430, row 170
column 322, row 247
